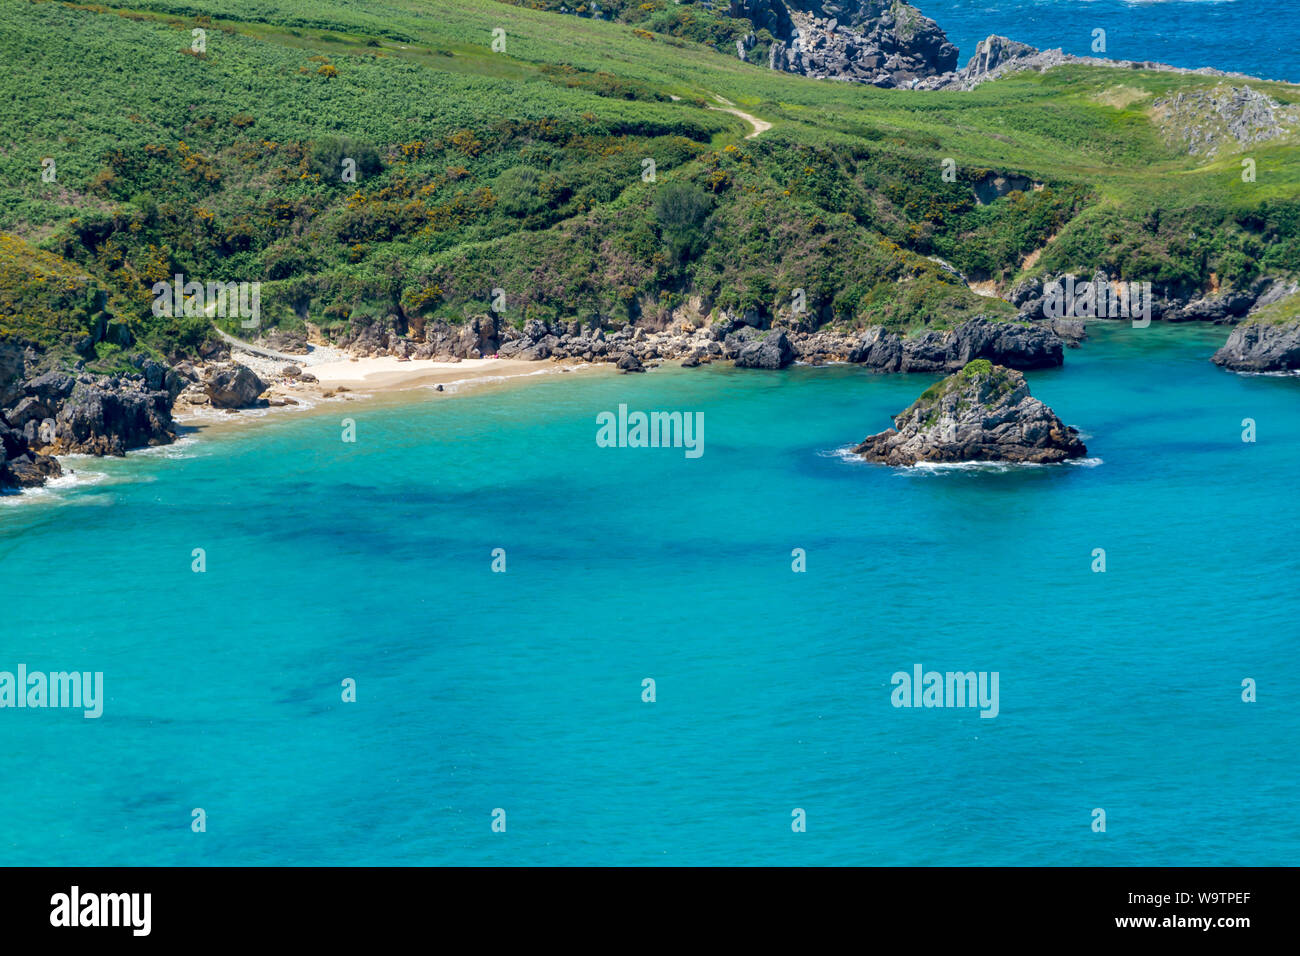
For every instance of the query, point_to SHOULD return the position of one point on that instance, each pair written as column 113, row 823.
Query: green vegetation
column 525, row 170
column 1283, row 312
column 1001, row 382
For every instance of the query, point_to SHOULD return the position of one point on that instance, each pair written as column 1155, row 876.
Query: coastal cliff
column 1268, row 341
column 885, row 43
column 743, row 338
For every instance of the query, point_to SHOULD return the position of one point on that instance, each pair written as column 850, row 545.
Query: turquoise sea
column 1257, row 37
column 522, row 690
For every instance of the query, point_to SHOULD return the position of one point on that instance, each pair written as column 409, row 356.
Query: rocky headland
column 1269, row 339
column 984, row 412
column 996, row 56
column 889, row 44
column 47, row 411
column 885, row 43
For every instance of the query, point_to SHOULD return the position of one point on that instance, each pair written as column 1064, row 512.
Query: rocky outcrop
column 982, row 413
column 1013, row 344
column 20, row 467
column 13, row 368
column 110, row 417
column 772, row 350
column 1269, row 340
column 1207, row 122
column 479, row 337
column 628, row 362
column 60, row 412
column 741, row 338
column 1261, row 347
column 886, row 43
column 290, row 341
column 1168, row 302
column 996, row 56
column 232, row 386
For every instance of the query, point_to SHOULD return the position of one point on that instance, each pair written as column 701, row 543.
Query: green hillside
column 523, row 170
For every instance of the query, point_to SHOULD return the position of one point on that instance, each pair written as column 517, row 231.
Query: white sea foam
column 79, row 473
column 55, row 491
column 847, row 455
column 1285, row 373
column 992, row 467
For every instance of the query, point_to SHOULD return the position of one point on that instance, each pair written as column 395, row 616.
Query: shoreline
column 366, row 382
column 376, row 382
column 382, row 380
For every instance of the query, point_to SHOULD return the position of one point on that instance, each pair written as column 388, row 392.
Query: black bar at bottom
column 335, row 905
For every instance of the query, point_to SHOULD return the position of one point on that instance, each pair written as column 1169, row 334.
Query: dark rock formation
column 772, row 350
column 1006, row 343
column 20, row 466
column 58, row 412
column 110, row 417
column 982, row 413
column 233, row 386
column 886, row 43
column 1269, row 341
column 1168, row 302
column 630, row 363
column 992, row 58
column 1013, row 344
column 1261, row 347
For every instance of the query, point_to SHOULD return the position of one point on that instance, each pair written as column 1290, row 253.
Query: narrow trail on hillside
column 255, row 349
column 760, row 125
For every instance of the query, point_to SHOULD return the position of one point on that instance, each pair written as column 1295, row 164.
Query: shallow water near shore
column 477, row 690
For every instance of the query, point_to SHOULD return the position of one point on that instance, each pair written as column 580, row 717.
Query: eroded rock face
column 20, row 467
column 1261, row 347
column 1007, row 343
column 771, row 351
column 1168, row 302
column 109, row 418
column 886, row 43
column 73, row 412
column 292, row 342
column 13, row 367
column 982, row 413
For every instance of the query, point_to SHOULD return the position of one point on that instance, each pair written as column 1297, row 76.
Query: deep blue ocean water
column 522, row 690
column 1257, row 37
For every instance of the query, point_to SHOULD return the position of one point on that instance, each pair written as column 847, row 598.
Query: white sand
column 386, row 373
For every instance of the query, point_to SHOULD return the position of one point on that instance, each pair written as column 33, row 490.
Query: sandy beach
column 344, row 378
column 388, row 373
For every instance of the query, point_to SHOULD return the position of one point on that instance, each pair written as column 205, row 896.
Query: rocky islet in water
column 982, row 413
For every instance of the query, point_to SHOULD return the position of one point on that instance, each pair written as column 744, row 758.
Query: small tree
column 681, row 211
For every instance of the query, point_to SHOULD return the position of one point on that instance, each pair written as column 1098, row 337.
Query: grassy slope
column 1283, row 312
column 221, row 167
